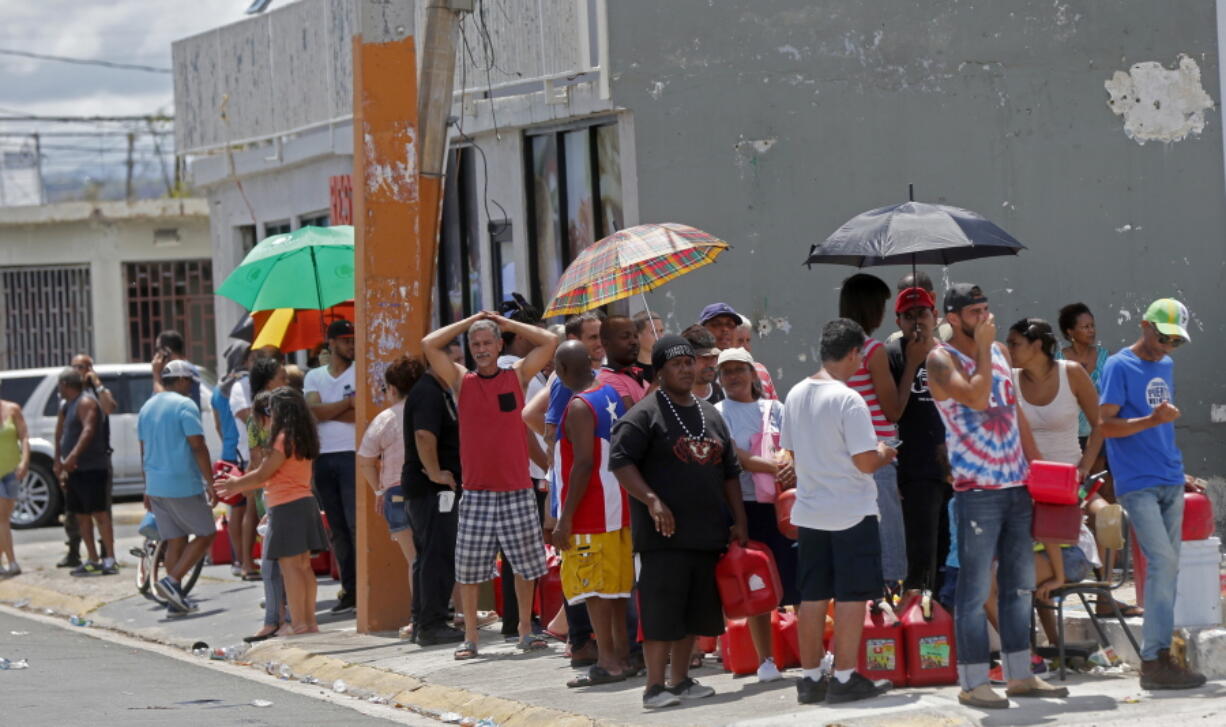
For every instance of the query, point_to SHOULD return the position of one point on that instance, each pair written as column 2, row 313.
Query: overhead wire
column 84, row 61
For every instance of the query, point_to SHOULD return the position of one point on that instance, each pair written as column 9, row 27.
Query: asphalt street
column 76, row 679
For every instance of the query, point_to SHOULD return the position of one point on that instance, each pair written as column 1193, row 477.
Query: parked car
column 40, row 500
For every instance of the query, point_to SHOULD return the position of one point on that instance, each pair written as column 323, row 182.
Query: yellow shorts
column 599, row 565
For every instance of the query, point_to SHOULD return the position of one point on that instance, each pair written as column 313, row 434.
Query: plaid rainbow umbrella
column 630, row 261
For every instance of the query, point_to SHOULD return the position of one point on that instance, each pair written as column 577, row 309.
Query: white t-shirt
column 534, row 387
column 333, row 436
column 825, row 422
column 240, row 399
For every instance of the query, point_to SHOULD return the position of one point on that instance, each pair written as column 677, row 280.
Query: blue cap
column 715, row 310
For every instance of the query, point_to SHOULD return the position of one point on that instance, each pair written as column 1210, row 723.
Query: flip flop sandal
column 595, row 676
column 465, row 651
column 531, row 643
column 253, row 576
column 696, row 661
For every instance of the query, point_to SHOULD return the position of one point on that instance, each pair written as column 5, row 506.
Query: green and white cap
column 1169, row 316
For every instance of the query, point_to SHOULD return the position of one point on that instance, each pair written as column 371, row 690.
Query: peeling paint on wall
column 1159, row 104
column 397, row 179
column 386, row 311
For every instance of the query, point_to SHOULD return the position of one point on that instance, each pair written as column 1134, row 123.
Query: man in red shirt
column 620, row 339
column 498, row 510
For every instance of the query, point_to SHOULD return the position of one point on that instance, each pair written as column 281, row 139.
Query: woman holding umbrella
column 863, row 299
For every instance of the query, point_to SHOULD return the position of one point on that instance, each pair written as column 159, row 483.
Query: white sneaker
column 768, row 672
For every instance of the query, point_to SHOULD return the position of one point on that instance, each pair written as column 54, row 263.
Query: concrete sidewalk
column 521, row 689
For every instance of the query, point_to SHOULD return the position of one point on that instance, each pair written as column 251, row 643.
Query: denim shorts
column 9, row 486
column 1076, row 565
column 395, row 511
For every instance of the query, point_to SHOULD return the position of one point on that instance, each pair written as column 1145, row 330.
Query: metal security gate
column 176, row 294
column 47, row 315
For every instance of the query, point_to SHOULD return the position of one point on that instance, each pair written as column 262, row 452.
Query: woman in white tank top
column 1053, row 394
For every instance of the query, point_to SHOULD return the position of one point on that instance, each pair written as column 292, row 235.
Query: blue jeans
column 892, row 532
column 993, row 525
column 274, row 592
column 1156, row 515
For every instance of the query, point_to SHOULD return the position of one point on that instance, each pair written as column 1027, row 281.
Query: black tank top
column 97, row 455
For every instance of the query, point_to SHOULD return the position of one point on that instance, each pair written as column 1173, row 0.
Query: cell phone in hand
column 892, row 442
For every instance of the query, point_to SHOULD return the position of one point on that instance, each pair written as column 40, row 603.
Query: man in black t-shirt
column 431, row 482
column 673, row 455
column 922, row 468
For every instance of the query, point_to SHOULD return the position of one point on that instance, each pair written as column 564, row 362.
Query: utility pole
column 396, row 202
column 128, row 181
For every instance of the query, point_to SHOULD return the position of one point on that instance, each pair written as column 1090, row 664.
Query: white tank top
column 1055, row 425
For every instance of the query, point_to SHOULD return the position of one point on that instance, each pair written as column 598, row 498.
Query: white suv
column 40, row 500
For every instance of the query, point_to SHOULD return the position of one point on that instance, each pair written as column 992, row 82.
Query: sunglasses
column 1172, row 341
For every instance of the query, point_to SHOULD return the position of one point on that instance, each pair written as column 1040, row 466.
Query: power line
column 85, row 61
column 88, row 119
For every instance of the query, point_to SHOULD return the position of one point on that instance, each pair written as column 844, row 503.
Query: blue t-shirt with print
column 1148, row 458
column 164, row 424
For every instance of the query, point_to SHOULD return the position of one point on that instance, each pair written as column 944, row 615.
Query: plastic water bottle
column 285, row 672
column 80, row 621
column 827, row 665
column 6, row 665
column 339, row 686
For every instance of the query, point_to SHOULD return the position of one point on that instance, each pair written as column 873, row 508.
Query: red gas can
column 785, row 639
column 882, row 653
column 736, row 648
column 748, row 580
column 1052, row 482
column 1197, row 516
column 928, row 632
column 1056, row 523
column 705, row 644
column 322, row 563
column 548, row 598
column 783, row 513
column 220, row 552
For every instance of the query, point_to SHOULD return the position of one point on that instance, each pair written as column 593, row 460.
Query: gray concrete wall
column 771, row 123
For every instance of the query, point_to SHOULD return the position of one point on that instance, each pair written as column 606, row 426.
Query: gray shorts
column 179, row 517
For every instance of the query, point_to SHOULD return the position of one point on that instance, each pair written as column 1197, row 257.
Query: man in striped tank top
column 989, row 446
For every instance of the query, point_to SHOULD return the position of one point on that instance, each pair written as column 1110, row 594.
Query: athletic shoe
column 12, row 570
column 346, row 604
column 809, row 691
column 173, row 611
column 88, row 568
column 110, row 570
column 690, row 690
column 996, row 675
column 440, row 635
column 172, row 593
column 658, row 695
column 768, row 672
column 856, row 688
column 72, row 560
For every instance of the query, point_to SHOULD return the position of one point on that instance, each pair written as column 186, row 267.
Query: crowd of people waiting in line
column 635, row 454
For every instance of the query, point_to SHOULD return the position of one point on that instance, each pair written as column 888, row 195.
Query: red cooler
column 736, row 648
column 748, row 580
column 928, row 631
column 882, row 653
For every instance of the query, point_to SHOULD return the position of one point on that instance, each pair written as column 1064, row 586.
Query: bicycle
column 150, row 560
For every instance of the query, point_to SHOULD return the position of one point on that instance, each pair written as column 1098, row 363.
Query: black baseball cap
column 960, row 295
column 340, row 328
column 669, row 347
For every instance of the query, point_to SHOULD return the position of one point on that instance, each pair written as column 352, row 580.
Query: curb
column 407, row 690
column 413, row 691
column 38, row 598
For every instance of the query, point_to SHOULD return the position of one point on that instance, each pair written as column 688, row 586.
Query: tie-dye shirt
column 985, row 447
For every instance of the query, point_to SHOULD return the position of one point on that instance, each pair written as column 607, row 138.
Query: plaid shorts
column 493, row 521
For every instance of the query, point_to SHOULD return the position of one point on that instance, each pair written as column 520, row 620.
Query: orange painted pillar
column 394, row 269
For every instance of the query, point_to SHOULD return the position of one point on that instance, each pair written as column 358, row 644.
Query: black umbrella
column 915, row 233
column 244, row 330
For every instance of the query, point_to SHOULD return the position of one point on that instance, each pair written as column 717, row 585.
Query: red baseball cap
column 914, row 298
